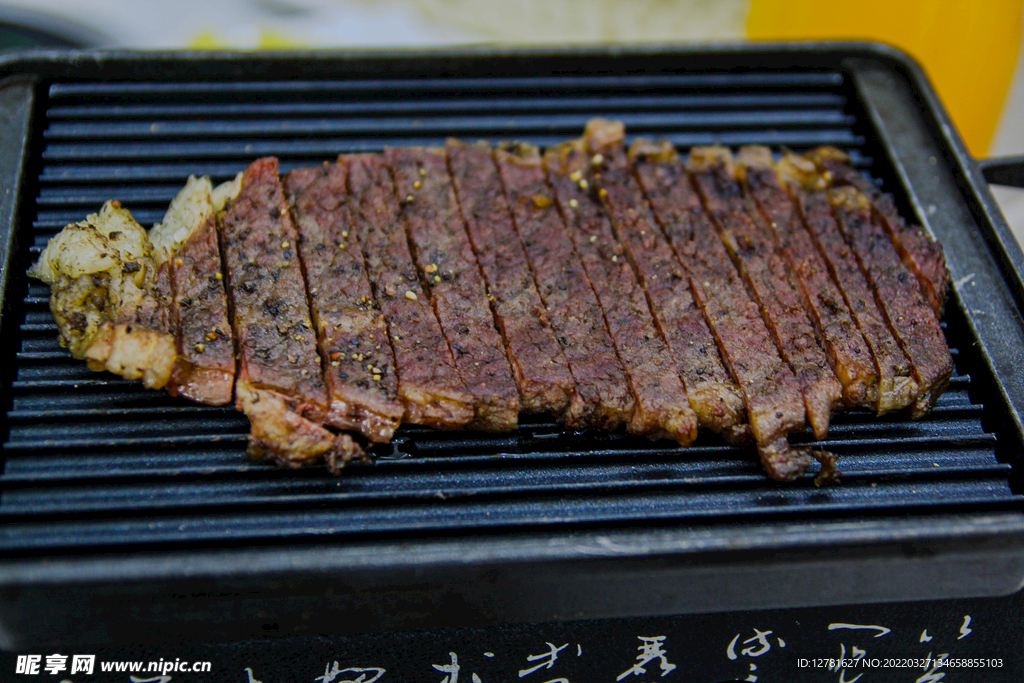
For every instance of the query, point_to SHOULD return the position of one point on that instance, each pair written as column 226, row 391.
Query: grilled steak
column 896, row 384
column 847, row 350
column 428, row 381
column 538, row 365
column 921, row 254
column 146, row 306
column 774, row 398
column 911, row 320
column 447, row 265
column 752, row 250
column 662, row 408
column 279, row 385
column 601, row 398
column 359, row 366
column 714, row 395
column 454, row 287
column 205, row 369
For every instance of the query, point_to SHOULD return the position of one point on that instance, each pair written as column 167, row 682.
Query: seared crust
column 428, row 381
column 662, row 405
column 281, row 434
column 602, row 398
column 280, row 387
column 910, row 319
column 206, row 367
column 896, row 384
column 762, row 269
column 133, row 352
column 921, row 254
column 115, row 296
column 847, row 350
column 714, row 394
column 774, row 398
column 274, row 332
column 359, row 365
column 770, row 391
column 447, row 265
column 539, row 368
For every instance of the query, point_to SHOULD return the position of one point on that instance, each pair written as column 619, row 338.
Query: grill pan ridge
column 97, row 466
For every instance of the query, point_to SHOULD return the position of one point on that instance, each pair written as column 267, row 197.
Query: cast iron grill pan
column 93, row 461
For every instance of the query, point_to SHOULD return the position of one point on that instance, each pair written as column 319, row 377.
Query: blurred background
column 971, row 49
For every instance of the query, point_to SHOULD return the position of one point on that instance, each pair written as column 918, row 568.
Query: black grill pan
column 125, row 513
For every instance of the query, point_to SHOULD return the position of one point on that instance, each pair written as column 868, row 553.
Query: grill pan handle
column 1003, row 170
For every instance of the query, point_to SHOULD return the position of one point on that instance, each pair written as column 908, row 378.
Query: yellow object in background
column 968, row 47
column 268, row 40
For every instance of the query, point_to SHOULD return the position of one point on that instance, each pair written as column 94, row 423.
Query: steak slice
column 428, row 381
column 764, row 273
column 847, row 350
column 278, row 432
column 279, row 381
column 771, row 392
column 442, row 250
column 899, row 298
column 205, row 370
column 896, row 384
column 114, row 296
column 921, row 254
column 601, row 399
column 540, row 370
column 714, row 394
column 359, row 366
column 662, row 408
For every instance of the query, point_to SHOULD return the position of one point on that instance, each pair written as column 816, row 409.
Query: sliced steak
column 899, row 298
column 662, row 408
column 206, row 350
column 539, row 368
column 896, row 384
column 279, row 382
column 920, row 253
column 444, row 255
column 763, row 271
column 601, row 398
column 359, row 366
column 847, row 350
column 428, row 381
column 774, row 398
column 114, row 286
column 714, row 394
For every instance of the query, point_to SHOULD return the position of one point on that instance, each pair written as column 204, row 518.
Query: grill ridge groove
column 531, row 84
column 441, row 125
column 329, row 146
column 350, row 106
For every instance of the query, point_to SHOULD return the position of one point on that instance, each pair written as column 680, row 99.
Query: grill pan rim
column 330, row 583
column 734, row 542
column 46, row 62
column 933, row 535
